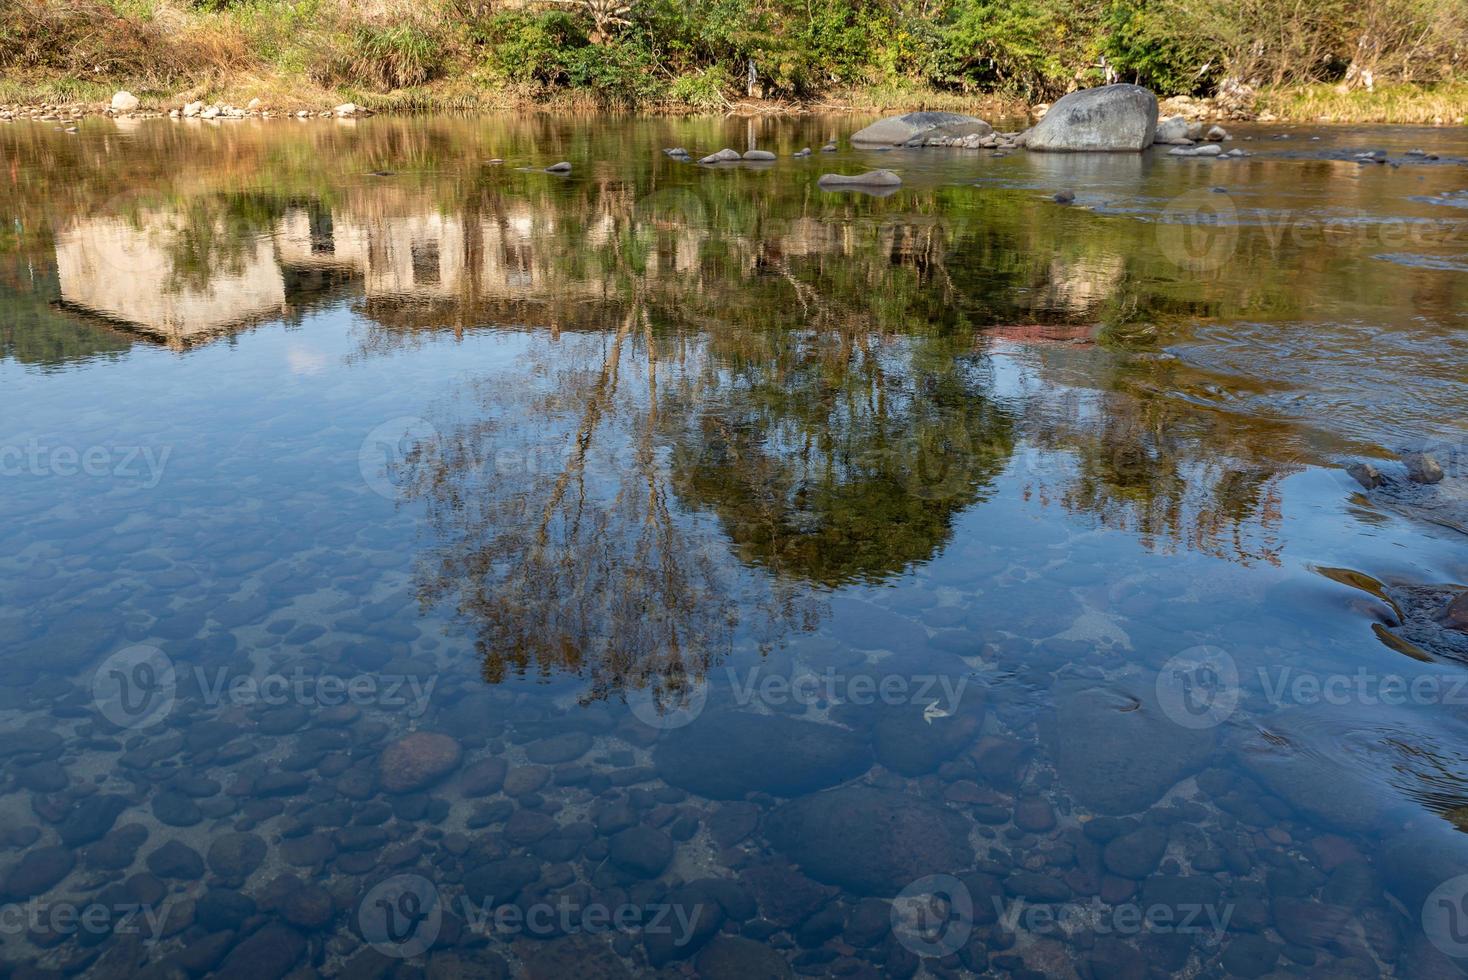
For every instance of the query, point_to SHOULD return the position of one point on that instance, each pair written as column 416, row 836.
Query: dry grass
column 1403, row 105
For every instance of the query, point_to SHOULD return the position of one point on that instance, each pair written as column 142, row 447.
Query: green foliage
column 1015, row 47
column 1142, row 42
column 392, row 55
column 698, row 52
column 553, row 49
column 704, row 89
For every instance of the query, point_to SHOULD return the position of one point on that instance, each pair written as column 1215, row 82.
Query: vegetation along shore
column 1390, row 61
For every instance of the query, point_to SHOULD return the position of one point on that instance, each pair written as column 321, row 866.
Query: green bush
column 1019, row 47
column 1144, row 45
column 531, row 47
column 702, row 89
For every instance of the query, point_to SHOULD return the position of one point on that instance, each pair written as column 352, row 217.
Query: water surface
column 417, row 562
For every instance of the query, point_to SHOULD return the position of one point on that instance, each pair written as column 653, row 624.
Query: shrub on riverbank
column 701, row 53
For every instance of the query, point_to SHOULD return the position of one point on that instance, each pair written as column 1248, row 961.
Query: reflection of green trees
column 780, row 388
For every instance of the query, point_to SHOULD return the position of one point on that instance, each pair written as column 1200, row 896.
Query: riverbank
column 59, row 99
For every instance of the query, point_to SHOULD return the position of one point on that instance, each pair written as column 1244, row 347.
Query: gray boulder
column 872, row 178
column 762, row 155
column 725, row 155
column 1116, row 751
column 1172, row 130
column 872, row 841
column 1206, row 150
column 1113, row 118
column 920, row 125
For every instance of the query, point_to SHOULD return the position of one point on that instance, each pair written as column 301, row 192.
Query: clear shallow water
column 417, row 564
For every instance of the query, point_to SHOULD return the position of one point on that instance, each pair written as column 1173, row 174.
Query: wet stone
column 567, row 747
column 525, row 779
column 1115, row 749
column 417, row 761
column 175, row 859
column 1137, row 854
column 234, row 857
column 641, row 851
column 726, row 754
column 736, row 958
column 267, row 955
column 90, row 819
column 873, row 841
column 37, row 872
column 482, row 777
column 583, row 955
column 223, row 908
column 118, row 848
column 176, row 810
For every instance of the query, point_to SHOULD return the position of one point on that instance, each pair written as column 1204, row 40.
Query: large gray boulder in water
column 920, row 125
column 1114, row 118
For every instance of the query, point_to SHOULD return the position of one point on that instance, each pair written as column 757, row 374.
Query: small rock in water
column 674, row 151
column 725, row 155
column 872, row 178
column 763, row 155
column 124, row 101
column 1216, row 134
column 1422, row 468
column 347, row 109
column 1365, row 474
column 559, row 168
column 1206, row 150
column 1065, row 197
column 1456, row 615
column 829, row 147
column 1171, row 130
column 804, row 152
column 495, row 162
column 417, row 760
